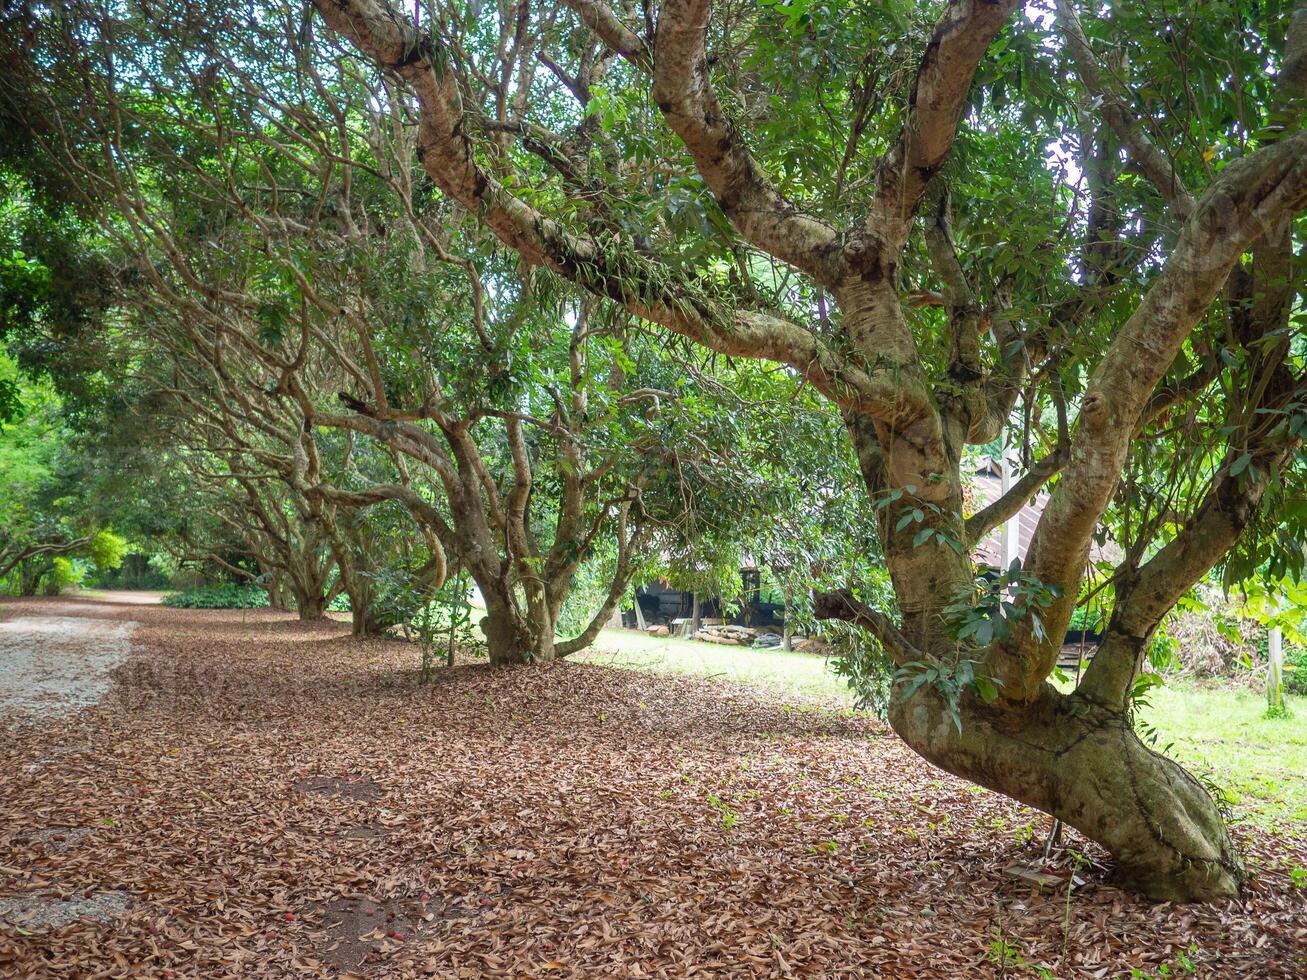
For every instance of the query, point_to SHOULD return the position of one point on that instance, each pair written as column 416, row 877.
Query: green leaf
column 986, row 688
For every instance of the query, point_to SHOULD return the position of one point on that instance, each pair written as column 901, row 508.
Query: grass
column 1222, row 733
column 1219, row 733
column 793, row 675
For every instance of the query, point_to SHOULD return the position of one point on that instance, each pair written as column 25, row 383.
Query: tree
column 286, row 259
column 42, row 517
column 1179, row 294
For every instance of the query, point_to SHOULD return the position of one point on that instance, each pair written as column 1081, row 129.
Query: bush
column 1092, row 620
column 107, row 551
column 225, row 596
column 1295, row 670
column 435, row 619
column 65, row 572
column 1210, row 639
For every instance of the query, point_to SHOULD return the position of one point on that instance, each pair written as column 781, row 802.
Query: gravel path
column 51, row 665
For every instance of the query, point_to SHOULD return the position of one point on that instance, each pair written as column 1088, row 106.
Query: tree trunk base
column 1087, row 767
column 510, row 644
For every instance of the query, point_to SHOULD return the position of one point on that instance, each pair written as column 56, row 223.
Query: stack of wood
column 812, row 645
column 728, row 635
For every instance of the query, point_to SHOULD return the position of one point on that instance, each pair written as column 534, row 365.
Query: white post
column 1010, row 537
column 1274, row 669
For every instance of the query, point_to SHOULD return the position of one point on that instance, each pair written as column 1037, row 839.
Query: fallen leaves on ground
column 279, row 799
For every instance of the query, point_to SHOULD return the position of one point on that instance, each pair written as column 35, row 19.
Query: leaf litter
column 272, row 798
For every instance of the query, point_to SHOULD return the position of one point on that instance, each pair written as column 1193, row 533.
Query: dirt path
column 50, row 665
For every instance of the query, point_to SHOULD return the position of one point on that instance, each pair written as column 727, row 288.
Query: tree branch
column 1154, row 164
column 601, row 19
column 607, row 267
column 961, row 38
column 1017, row 496
column 841, row 604
column 684, row 94
column 1248, row 196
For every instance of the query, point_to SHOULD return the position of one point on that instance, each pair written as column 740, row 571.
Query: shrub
column 433, row 619
column 1295, row 670
column 226, row 596
column 65, row 572
column 1086, row 618
column 1211, row 639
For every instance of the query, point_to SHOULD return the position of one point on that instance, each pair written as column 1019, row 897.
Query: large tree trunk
column 510, row 639
column 363, row 618
column 1085, row 765
column 1077, row 756
column 310, row 606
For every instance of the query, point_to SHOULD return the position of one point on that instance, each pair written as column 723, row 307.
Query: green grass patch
column 1223, row 734
column 792, row 675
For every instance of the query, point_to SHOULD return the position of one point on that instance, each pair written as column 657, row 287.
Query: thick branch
column 939, row 94
column 626, row 544
column 684, row 94
column 1145, row 597
column 46, row 548
column 606, row 267
column 1249, row 195
column 1154, row 164
column 841, row 604
column 601, row 19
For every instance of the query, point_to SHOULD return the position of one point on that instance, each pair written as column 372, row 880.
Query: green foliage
column 951, row 680
column 865, row 667
column 1295, row 670
column 437, row 620
column 64, row 572
column 983, row 612
column 590, row 588
column 726, row 814
column 225, row 596
column 1279, row 712
column 1088, row 618
column 11, row 402
column 107, row 551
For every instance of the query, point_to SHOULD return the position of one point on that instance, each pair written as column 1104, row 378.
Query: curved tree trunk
column 1076, row 756
column 1085, row 765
